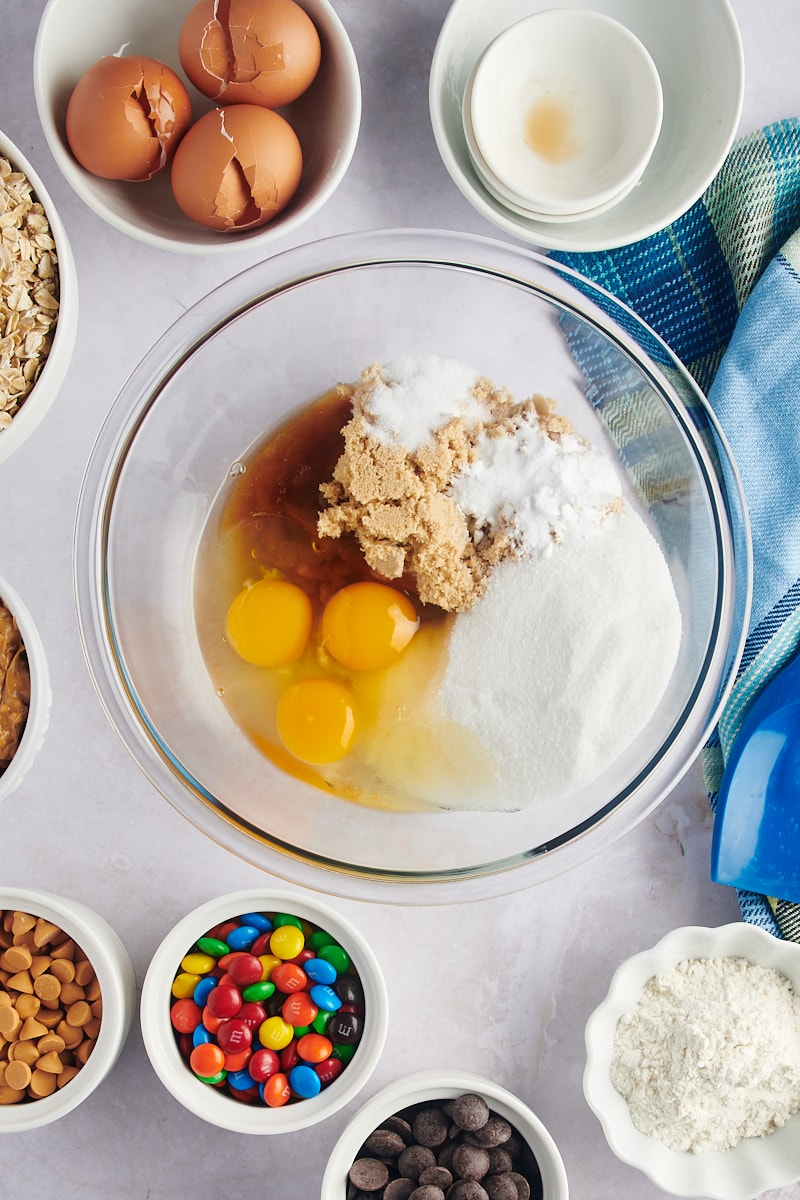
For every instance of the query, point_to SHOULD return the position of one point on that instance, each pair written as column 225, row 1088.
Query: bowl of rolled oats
column 38, row 299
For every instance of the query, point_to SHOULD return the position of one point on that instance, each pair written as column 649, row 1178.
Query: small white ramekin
column 41, row 692
column 114, row 972
column 44, row 391
column 213, row 1105
column 757, row 1164
column 424, row 1086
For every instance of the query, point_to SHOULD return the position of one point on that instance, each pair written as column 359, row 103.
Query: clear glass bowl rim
column 224, row 303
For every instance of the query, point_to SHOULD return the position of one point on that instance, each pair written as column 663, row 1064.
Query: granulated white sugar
column 565, row 658
column 415, row 395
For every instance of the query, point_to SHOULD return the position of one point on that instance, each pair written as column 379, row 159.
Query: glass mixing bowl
column 262, row 346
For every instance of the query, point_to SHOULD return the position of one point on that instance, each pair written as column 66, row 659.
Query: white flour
column 710, row 1054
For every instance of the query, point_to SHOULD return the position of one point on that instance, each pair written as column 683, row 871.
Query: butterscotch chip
column 39, row 964
column 27, row 1006
column 31, row 1028
column 26, row 1052
column 64, row 970
column 51, row 1063
column 84, row 972
column 79, row 1013
column 45, row 932
column 51, row 1017
column 72, row 1034
column 71, row 993
column 67, row 1074
column 50, row 1041
column 93, row 989
column 21, row 982
column 47, row 987
column 83, row 1051
column 66, row 949
column 5, row 999
column 9, row 1095
column 21, row 922
column 92, row 1028
column 97, row 1007
column 10, row 1022
column 18, row 1075
column 16, row 958
column 41, row 1084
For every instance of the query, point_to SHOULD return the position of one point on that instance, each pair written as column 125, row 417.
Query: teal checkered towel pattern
column 721, row 286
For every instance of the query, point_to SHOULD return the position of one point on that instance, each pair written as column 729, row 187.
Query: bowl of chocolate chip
column 445, row 1135
column 411, row 567
column 25, row 693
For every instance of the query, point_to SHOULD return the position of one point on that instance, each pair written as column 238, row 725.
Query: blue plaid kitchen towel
column 721, row 286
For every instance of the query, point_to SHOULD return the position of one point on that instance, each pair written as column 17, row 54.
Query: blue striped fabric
column 721, row 286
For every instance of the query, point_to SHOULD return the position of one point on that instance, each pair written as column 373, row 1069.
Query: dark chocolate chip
column 399, row 1189
column 500, row 1187
column 414, row 1160
column 384, row 1143
column 430, row 1127
column 493, row 1133
column 470, row 1162
column 399, row 1125
column 523, row 1187
column 499, row 1160
column 428, row 1191
column 466, row 1189
column 440, row 1176
column 369, row 1174
column 468, row 1111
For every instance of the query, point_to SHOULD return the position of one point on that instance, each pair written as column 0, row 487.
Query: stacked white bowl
column 561, row 114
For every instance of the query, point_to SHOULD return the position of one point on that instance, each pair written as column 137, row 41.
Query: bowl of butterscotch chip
column 67, row 993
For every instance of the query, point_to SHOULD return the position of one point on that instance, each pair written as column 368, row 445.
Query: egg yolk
column 367, row 626
column 269, row 623
column 317, row 720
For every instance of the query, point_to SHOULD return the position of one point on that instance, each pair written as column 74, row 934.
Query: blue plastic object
column 756, row 840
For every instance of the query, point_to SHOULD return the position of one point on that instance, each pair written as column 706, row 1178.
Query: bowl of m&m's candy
column 264, row 1012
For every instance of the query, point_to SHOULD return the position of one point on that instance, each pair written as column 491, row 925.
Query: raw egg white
column 126, row 116
column 250, row 51
column 237, row 168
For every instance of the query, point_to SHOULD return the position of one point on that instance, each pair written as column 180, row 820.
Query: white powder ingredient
column 710, row 1054
column 416, row 395
column 565, row 658
column 536, row 486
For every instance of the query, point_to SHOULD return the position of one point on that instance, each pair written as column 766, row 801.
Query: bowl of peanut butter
column 25, row 694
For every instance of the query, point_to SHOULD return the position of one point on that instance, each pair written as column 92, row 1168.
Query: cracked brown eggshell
column 126, row 116
column 250, row 51
column 237, row 167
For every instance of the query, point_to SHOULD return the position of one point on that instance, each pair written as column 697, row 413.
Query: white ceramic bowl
column 510, row 200
column 748, row 1169
column 566, row 108
column 73, row 34
column 697, row 51
column 444, row 1084
column 41, row 693
column 44, row 391
column 213, row 1105
column 115, row 975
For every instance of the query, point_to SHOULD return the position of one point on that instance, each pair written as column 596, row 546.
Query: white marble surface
column 503, row 987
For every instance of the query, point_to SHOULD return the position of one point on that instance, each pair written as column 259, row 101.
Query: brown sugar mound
column 395, row 500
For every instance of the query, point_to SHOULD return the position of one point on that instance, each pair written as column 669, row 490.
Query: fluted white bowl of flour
column 702, row 1035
